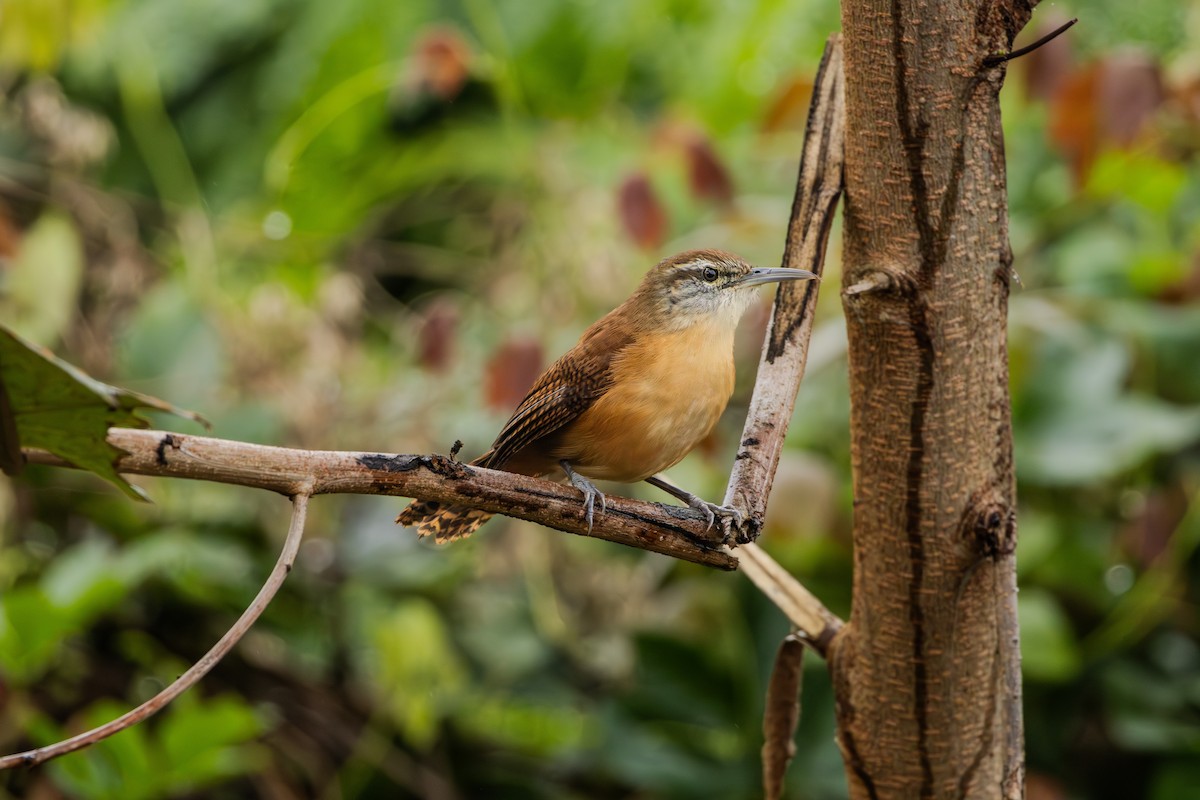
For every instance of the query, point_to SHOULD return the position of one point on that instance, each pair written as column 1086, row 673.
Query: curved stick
column 209, row 660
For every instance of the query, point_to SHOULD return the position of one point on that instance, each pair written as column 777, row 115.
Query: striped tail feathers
column 445, row 523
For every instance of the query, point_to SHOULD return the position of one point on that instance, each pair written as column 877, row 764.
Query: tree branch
column 785, row 348
column 671, row 530
column 816, row 623
column 996, row 60
column 198, row 670
column 785, row 351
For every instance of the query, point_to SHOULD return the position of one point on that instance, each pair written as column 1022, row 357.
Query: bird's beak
column 760, row 275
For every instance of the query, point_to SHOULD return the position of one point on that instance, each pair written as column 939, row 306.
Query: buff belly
column 664, row 398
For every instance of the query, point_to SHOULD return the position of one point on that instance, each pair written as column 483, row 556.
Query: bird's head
column 707, row 286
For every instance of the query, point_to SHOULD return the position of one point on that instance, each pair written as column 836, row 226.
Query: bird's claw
column 590, row 495
column 730, row 516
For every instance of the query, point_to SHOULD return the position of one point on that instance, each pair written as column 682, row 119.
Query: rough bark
column 927, row 672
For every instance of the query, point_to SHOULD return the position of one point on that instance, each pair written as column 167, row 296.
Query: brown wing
column 565, row 390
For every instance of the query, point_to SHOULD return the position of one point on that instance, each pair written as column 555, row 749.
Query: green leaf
column 1082, row 425
column 122, row 766
column 82, row 584
column 196, row 566
column 542, row 729
column 420, row 673
column 84, row 581
column 1079, row 446
column 1142, row 177
column 59, row 408
column 204, row 742
column 1175, row 779
column 1154, row 271
column 197, row 743
column 32, row 630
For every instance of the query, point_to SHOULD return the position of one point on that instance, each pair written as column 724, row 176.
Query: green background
column 256, row 209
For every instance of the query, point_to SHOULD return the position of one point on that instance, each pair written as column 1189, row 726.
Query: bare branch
column 198, row 670
column 670, row 530
column 785, row 349
column 816, row 623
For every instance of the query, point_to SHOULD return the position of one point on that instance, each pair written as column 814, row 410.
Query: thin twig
column 188, row 679
column 671, row 530
column 816, row 623
column 992, row 61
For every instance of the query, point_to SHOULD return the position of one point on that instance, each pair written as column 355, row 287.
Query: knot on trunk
column 990, row 528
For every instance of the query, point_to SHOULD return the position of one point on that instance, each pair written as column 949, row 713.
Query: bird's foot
column 732, row 520
column 730, row 516
column 590, row 493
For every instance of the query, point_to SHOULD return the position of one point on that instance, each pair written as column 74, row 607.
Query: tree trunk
column 927, row 672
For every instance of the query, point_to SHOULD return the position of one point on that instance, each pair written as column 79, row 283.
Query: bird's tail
column 445, row 523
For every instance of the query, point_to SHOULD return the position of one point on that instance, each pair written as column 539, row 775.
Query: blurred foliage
column 368, row 224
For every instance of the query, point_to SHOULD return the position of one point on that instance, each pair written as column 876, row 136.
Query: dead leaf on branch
column 782, row 715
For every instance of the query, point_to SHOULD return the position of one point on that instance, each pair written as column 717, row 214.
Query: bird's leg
column 710, row 510
column 590, row 492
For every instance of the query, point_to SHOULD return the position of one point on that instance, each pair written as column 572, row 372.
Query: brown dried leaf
column 438, row 80
column 1073, row 120
column 1185, row 97
column 781, row 715
column 441, row 62
column 641, row 212
column 511, row 371
column 436, row 336
column 1043, row 787
column 707, row 176
column 1148, row 535
column 1105, row 104
column 10, row 234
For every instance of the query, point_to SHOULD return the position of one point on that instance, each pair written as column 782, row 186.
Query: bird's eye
column 710, row 274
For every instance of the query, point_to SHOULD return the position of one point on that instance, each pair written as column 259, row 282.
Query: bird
column 641, row 388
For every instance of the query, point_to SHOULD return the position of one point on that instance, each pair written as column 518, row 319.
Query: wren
column 642, row 387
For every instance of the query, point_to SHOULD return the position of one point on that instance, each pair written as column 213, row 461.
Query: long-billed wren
column 638, row 391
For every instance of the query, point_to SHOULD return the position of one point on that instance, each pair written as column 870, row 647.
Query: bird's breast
column 667, row 392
